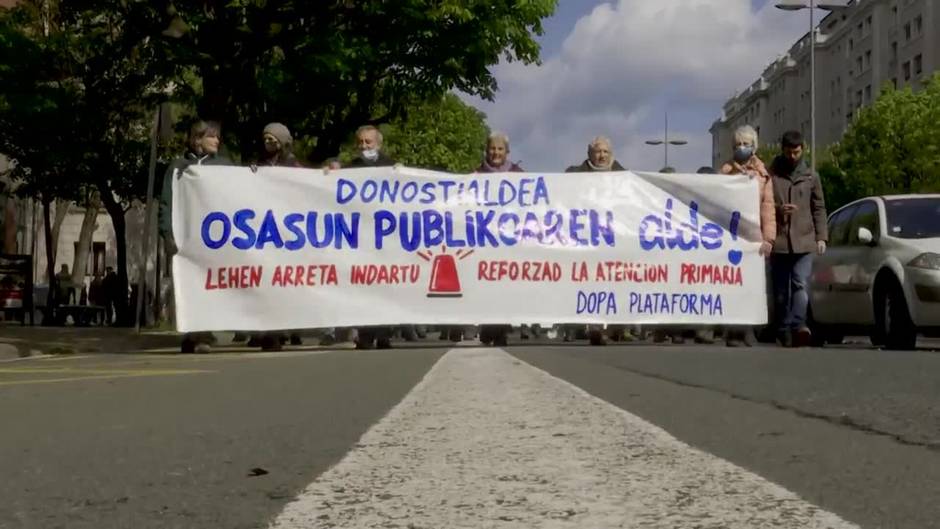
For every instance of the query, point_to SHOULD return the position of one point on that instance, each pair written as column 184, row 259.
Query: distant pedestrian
column 111, row 294
column 745, row 162
column 801, row 233
column 203, row 148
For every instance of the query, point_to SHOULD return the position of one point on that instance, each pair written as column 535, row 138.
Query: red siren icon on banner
column 445, row 281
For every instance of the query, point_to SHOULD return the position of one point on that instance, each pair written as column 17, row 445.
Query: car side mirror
column 866, row 237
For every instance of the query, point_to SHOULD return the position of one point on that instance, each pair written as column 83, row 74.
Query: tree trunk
column 92, row 206
column 9, row 226
column 61, row 211
column 125, row 315
column 51, row 297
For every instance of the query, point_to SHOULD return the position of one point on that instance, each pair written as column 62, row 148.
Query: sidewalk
column 18, row 341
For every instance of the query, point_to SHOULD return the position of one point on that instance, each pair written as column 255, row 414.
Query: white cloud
column 622, row 64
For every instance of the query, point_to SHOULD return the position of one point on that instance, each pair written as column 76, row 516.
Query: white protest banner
column 295, row 248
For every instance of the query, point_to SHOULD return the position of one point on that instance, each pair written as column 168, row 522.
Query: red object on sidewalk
column 444, row 280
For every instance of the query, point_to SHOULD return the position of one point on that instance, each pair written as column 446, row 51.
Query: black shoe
column 271, row 343
column 383, row 343
column 296, row 340
column 188, row 346
column 597, row 338
column 785, row 339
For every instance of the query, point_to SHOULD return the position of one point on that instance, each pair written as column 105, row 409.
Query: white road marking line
column 485, row 440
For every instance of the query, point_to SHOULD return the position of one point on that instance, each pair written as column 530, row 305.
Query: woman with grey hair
column 745, row 162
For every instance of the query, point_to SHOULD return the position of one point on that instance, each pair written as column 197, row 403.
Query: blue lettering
column 427, row 190
column 505, row 219
column 347, row 232
column 575, row 228
column 369, row 191
column 410, row 243
column 241, row 219
column 433, row 228
column 409, row 191
column 483, row 231
column 315, row 240
column 299, row 240
column 388, row 193
column 345, row 191
column 541, row 192
column 599, row 230
column 269, row 232
column 215, row 216
column 711, row 236
column 449, row 239
column 384, row 225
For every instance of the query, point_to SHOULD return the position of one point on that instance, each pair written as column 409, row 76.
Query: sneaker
column 785, row 339
column 551, row 334
column 678, row 340
column 203, row 349
column 735, row 342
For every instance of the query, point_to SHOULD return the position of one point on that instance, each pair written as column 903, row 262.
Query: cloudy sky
column 614, row 67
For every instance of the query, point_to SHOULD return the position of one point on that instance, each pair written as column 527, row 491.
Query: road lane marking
column 79, row 374
column 486, row 440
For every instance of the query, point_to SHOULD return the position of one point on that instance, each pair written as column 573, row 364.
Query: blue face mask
column 743, row 153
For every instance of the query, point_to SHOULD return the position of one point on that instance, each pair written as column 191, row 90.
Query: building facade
column 859, row 50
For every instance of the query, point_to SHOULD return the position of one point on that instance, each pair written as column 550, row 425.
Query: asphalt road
column 175, row 441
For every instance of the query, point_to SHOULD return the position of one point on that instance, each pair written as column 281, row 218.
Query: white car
column 881, row 273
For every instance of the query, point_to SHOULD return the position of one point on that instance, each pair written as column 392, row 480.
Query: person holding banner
column 746, row 162
column 277, row 152
column 369, row 141
column 801, row 232
column 600, row 157
column 204, row 142
column 496, row 160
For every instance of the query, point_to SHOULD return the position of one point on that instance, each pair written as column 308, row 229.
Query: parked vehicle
column 881, row 274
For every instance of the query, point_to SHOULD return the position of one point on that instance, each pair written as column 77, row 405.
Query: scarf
column 505, row 168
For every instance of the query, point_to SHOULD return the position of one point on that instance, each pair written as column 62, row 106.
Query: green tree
column 443, row 134
column 893, row 146
column 324, row 68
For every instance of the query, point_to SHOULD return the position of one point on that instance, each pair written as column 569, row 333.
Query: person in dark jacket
column 204, row 142
column 369, row 141
column 600, row 158
column 496, row 160
column 277, row 151
column 801, row 233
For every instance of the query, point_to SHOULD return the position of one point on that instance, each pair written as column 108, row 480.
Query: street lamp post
column 812, row 5
column 666, row 142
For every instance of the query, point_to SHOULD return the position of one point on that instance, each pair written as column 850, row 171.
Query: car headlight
column 927, row 261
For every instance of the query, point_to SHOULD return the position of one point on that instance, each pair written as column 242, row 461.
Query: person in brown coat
column 746, row 162
column 801, row 233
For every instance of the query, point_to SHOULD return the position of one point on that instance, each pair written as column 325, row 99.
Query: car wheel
column 893, row 320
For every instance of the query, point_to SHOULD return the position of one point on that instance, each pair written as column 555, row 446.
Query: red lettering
column 209, row 285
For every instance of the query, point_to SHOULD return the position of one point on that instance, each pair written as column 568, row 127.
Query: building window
column 858, row 64
column 868, row 59
column 851, row 44
column 919, row 64
column 919, row 25
column 907, row 70
column 858, row 98
column 868, row 94
column 907, row 31
column 894, row 51
column 894, row 82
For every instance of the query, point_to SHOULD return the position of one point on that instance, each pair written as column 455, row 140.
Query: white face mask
column 370, row 154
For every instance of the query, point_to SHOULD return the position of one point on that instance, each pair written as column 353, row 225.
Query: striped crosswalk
column 486, row 440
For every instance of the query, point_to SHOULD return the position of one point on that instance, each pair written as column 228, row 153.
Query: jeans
column 791, row 272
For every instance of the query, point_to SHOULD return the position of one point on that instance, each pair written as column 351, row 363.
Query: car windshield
column 913, row 218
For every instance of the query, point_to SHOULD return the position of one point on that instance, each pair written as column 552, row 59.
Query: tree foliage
column 893, row 146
